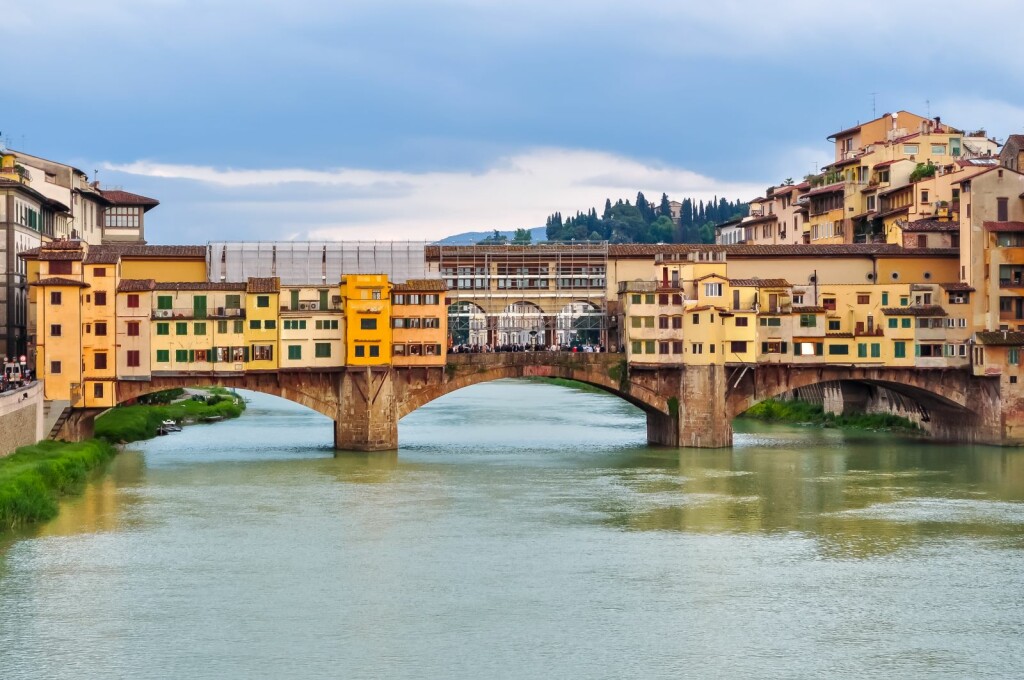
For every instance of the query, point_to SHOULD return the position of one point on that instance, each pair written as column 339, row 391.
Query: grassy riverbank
column 564, row 382
column 774, row 411
column 141, row 421
column 33, row 478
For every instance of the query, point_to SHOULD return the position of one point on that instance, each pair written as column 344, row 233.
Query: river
column 524, row 530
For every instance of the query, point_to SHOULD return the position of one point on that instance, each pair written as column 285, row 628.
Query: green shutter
column 862, row 350
column 295, row 299
column 323, row 299
column 199, row 306
column 164, row 302
column 785, row 347
column 764, row 348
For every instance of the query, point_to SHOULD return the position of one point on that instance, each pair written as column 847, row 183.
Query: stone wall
column 21, row 417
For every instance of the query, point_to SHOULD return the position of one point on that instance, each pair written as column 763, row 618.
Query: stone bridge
column 689, row 406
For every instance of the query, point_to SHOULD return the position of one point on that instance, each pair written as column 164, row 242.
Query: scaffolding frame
column 314, row 263
column 535, row 295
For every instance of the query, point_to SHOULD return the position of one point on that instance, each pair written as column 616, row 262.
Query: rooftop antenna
column 874, row 96
column 927, row 108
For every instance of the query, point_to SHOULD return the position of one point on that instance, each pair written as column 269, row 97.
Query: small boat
column 211, row 419
column 170, row 426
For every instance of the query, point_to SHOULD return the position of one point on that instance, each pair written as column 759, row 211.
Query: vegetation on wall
column 796, row 411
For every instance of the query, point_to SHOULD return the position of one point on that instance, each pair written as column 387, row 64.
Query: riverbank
column 802, row 412
column 34, row 477
column 124, row 424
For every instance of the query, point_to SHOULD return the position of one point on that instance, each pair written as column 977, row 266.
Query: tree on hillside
column 665, row 208
column 644, row 207
column 522, row 237
column 497, row 238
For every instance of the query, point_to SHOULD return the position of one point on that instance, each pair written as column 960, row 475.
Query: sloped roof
column 1004, row 226
column 927, row 225
column 118, row 197
column 61, row 255
column 60, row 281
column 918, row 310
column 762, row 283
column 271, row 284
column 202, row 285
column 1000, row 337
column 135, row 285
column 958, row 287
column 415, row 285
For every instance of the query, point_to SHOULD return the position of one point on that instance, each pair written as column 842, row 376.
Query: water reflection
column 523, row 530
column 860, row 495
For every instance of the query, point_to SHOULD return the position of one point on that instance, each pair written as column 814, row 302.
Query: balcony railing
column 192, row 313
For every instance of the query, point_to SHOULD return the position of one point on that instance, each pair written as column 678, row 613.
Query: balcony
column 226, row 313
column 192, row 313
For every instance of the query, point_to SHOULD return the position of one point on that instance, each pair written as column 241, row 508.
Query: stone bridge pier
column 367, row 418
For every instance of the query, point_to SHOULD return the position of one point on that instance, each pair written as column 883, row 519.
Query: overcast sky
column 418, row 119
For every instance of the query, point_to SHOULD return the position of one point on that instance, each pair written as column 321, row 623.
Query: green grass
column 34, row 477
column 796, row 411
column 137, row 422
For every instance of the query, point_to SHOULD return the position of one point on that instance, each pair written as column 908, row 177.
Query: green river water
column 524, row 530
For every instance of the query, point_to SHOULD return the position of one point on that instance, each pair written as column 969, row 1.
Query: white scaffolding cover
column 316, row 262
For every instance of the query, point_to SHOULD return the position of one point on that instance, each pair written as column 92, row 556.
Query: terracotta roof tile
column 205, row 285
column 270, row 284
column 135, row 285
column 421, row 284
column 1000, row 337
column 960, row 287
column 922, row 310
column 808, row 310
column 103, row 255
column 761, row 283
column 61, row 255
column 828, row 189
column 931, row 226
column 62, row 245
column 118, row 197
column 60, row 281
column 1004, row 226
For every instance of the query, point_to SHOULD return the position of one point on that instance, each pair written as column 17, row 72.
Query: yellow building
column 312, row 328
column 419, row 325
column 366, row 299
column 262, row 311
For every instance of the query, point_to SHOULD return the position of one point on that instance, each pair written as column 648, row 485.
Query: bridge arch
column 600, row 370
column 316, row 391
